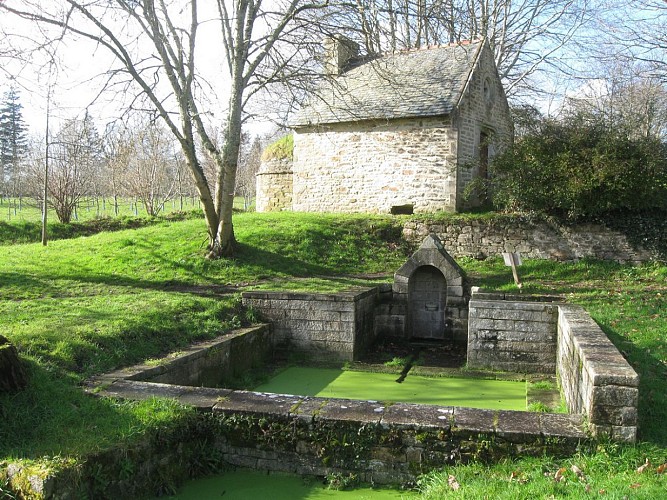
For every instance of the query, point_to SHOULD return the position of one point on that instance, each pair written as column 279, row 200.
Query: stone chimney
column 338, row 50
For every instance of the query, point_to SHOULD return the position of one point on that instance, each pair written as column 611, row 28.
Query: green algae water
column 336, row 383
column 243, row 484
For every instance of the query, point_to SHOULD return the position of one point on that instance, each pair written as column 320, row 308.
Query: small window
column 488, row 90
column 402, row 209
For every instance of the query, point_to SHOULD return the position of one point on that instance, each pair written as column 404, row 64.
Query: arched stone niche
column 430, row 283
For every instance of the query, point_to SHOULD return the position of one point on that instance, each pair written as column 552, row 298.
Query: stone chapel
column 399, row 133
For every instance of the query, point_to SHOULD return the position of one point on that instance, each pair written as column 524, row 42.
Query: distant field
column 28, row 209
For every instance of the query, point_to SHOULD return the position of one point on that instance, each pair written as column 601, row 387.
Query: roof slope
column 423, row 82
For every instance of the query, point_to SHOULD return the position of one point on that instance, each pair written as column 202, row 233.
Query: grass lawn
column 86, row 305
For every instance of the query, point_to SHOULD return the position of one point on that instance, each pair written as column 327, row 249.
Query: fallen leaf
column 453, row 483
column 578, row 472
column 661, row 469
column 602, row 492
column 642, row 468
column 634, row 486
column 558, row 477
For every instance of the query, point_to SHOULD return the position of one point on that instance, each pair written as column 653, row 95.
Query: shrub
column 282, row 149
column 576, row 169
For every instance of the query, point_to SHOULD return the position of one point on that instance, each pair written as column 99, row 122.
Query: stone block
column 518, row 426
column 613, row 415
column 570, row 427
column 257, row 403
column 610, row 370
column 612, row 395
column 137, row 390
column 348, row 410
column 202, row 398
column 470, row 421
column 624, row 434
column 405, row 415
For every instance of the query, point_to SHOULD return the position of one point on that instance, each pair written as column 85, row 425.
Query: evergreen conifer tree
column 13, row 141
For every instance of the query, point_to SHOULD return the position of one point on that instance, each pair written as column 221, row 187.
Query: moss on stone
column 282, row 149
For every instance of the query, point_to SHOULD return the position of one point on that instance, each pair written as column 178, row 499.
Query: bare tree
column 150, row 172
column 249, row 162
column 74, row 154
column 634, row 32
column 625, row 97
column 259, row 42
column 525, row 36
column 117, row 148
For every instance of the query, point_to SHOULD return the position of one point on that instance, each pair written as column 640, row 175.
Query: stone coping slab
column 512, row 426
column 350, row 295
column 516, row 427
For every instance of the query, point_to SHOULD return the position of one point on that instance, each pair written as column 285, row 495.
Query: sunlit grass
column 82, row 306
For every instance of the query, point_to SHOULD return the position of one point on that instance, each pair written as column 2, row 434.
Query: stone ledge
column 513, row 426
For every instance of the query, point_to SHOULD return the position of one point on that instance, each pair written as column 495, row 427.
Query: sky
column 75, row 83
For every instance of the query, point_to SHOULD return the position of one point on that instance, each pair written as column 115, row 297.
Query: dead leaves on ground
column 453, row 483
column 648, row 466
column 562, row 474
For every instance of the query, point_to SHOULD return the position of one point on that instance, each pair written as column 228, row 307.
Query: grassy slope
column 86, row 305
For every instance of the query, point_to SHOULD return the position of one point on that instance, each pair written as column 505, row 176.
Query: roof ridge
column 460, row 43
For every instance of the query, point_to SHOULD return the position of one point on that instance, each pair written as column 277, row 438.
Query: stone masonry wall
column 531, row 238
column 511, row 335
column 374, row 166
column 274, row 186
column 483, row 108
column 210, row 363
column 539, row 337
column 594, row 376
column 325, row 327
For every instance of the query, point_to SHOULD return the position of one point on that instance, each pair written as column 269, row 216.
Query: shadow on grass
column 31, row 232
column 52, row 416
column 652, row 388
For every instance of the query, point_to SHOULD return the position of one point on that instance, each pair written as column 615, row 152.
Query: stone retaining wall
column 379, row 442
column 595, row 378
column 531, row 238
column 325, row 327
column 520, row 336
column 211, row 363
column 511, row 335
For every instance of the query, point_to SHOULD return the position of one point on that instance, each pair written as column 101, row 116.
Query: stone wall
column 483, row 109
column 274, row 186
column 374, row 166
column 595, row 378
column 511, row 335
column 208, row 363
column 537, row 239
column 327, row 327
column 380, row 443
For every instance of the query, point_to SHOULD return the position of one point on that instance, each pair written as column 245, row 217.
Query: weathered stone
column 517, row 426
column 571, row 427
column 472, row 421
column 412, row 415
column 132, row 389
column 352, row 410
column 202, row 398
column 257, row 403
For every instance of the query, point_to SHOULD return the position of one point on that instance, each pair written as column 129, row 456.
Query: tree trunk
column 13, row 376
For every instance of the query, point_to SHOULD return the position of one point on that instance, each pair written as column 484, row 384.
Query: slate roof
column 415, row 83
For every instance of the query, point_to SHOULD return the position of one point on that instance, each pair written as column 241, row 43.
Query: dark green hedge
column 578, row 169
